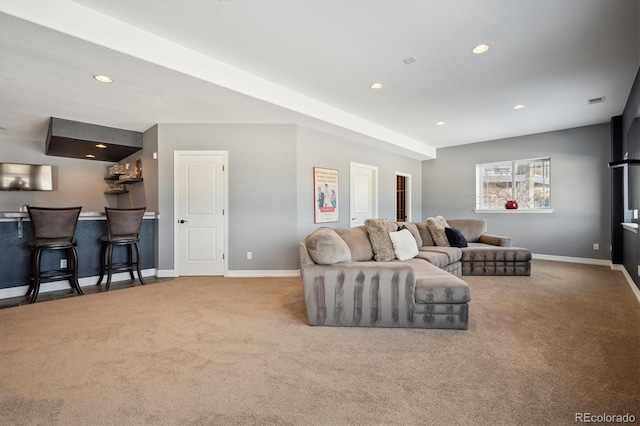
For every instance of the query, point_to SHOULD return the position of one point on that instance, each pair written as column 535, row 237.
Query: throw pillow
column 404, row 245
column 455, row 237
column 411, row 227
column 378, row 230
column 326, row 247
column 436, row 227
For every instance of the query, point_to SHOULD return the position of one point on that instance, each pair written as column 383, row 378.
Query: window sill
column 514, row 211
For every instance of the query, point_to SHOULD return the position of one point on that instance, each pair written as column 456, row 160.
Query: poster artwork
column 325, row 183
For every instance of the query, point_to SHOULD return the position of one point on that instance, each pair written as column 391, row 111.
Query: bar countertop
column 7, row 216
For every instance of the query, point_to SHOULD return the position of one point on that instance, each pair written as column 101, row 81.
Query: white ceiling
column 311, row 62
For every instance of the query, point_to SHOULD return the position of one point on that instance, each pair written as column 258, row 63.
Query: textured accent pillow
column 404, row 244
column 326, row 247
column 455, row 237
column 378, row 230
column 436, row 227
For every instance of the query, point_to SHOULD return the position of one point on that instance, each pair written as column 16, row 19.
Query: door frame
column 407, row 199
column 176, row 235
column 374, row 190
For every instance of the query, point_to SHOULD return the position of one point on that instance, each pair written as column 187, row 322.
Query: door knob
column 182, row 221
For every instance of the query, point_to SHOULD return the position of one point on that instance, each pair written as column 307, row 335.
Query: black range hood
column 74, row 139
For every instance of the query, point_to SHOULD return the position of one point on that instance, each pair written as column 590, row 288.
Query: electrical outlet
column 249, row 255
column 63, row 263
column 596, row 246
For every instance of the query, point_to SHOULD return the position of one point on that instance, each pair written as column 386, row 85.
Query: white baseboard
column 20, row 291
column 263, row 273
column 167, row 273
column 569, row 259
column 635, row 290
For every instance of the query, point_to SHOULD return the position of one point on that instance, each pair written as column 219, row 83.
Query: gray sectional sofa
column 349, row 281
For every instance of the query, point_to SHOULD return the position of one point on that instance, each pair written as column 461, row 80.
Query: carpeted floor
column 226, row 351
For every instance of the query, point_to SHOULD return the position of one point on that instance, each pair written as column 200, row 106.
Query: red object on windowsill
column 511, row 205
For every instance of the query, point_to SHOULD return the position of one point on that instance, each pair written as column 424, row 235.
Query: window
column 525, row 181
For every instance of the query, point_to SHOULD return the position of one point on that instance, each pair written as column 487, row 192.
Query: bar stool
column 53, row 229
column 123, row 230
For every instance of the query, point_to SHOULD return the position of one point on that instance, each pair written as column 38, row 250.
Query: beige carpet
column 219, row 351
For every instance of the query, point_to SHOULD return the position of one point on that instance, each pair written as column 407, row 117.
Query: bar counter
column 16, row 232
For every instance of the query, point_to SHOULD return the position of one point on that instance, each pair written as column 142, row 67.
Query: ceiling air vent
column 595, row 100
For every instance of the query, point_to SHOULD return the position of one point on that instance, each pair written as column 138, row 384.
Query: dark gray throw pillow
column 455, row 237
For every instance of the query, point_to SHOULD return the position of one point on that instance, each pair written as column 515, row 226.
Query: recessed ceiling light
column 103, row 78
column 481, row 48
column 101, row 146
column 90, row 156
column 519, row 106
column 440, row 123
column 376, row 86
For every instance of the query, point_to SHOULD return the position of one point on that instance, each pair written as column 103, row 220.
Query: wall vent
column 595, row 100
column 409, row 60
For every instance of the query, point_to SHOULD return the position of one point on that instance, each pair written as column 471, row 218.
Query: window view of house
column 525, row 181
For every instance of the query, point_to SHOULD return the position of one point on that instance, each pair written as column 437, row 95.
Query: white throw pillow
column 404, row 245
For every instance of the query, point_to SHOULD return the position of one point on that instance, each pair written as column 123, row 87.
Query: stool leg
column 74, row 265
column 36, row 275
column 130, row 261
column 138, row 262
column 31, row 273
column 109, row 265
column 103, row 253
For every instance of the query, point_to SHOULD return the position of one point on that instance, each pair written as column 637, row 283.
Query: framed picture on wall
column 325, row 191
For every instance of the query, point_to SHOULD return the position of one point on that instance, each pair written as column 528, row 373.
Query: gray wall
column 76, row 182
column 145, row 193
column 262, row 190
column 579, row 190
column 271, row 185
column 319, row 149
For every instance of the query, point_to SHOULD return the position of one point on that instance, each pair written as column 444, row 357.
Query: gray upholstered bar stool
column 53, row 229
column 123, row 227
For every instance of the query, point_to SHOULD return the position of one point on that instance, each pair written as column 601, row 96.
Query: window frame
column 513, row 164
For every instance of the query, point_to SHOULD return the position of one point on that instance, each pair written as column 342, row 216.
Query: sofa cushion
column 441, row 260
column 453, row 254
column 378, row 230
column 433, row 285
column 411, row 227
column 479, row 252
column 425, row 235
column 455, row 237
column 358, row 241
column 326, row 247
column 472, row 229
column 404, row 244
column 436, row 227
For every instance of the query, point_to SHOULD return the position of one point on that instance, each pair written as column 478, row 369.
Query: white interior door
column 200, row 212
column 363, row 193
